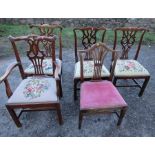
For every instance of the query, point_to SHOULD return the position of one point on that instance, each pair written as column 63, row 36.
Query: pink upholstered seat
column 98, row 95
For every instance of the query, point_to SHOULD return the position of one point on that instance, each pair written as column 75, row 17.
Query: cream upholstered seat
column 35, row 90
column 88, row 70
column 47, row 67
column 130, row 68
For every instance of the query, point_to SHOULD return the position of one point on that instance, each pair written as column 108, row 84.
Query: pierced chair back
column 127, row 37
column 50, row 31
column 87, row 36
column 36, row 51
column 97, row 53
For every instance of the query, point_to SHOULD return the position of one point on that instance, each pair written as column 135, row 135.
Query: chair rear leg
column 80, row 119
column 59, row 115
column 75, row 90
column 14, row 116
column 143, row 86
column 122, row 114
column 115, row 81
column 61, row 92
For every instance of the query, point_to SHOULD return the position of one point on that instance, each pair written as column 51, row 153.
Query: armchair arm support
column 5, row 80
column 8, row 71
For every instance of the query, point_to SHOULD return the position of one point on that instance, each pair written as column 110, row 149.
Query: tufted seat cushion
column 129, row 68
column 34, row 90
column 100, row 95
column 47, row 67
column 89, row 69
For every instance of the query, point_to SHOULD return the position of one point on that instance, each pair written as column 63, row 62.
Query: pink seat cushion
column 100, row 95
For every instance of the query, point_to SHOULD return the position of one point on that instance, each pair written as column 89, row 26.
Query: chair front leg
column 144, row 86
column 61, row 92
column 114, row 81
column 75, row 89
column 59, row 114
column 122, row 114
column 14, row 116
column 80, row 119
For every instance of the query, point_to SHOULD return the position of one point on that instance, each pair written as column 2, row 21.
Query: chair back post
column 16, row 52
column 75, row 45
column 88, row 38
column 53, row 55
column 140, row 42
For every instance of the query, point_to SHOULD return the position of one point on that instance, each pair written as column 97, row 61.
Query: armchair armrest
column 8, row 71
column 5, row 80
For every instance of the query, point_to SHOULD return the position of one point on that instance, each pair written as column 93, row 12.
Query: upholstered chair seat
column 88, row 70
column 129, row 68
column 35, row 90
column 100, row 95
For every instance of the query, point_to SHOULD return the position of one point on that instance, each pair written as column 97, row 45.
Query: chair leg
column 143, row 86
column 115, row 81
column 75, row 90
column 122, row 114
column 14, row 116
column 61, row 92
column 80, row 119
column 59, row 115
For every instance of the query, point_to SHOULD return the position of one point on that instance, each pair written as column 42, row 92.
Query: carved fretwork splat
column 36, row 55
column 88, row 38
column 128, row 39
column 46, row 31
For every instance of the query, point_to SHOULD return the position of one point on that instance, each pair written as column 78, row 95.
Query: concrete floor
column 139, row 119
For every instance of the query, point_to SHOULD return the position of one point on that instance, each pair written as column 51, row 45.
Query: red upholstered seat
column 100, row 95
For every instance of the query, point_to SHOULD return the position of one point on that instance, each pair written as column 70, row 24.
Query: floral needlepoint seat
column 100, row 95
column 89, row 69
column 130, row 68
column 47, row 67
column 35, row 89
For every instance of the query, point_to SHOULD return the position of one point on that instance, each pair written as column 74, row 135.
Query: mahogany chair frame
column 98, row 62
column 33, row 41
column 128, row 39
column 89, row 37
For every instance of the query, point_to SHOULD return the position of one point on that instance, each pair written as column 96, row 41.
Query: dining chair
column 84, row 38
column 129, row 39
column 38, row 92
column 98, row 95
column 49, row 30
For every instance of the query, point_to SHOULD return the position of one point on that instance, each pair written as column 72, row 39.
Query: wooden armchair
column 49, row 56
column 84, row 38
column 97, row 95
column 38, row 92
column 127, row 68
